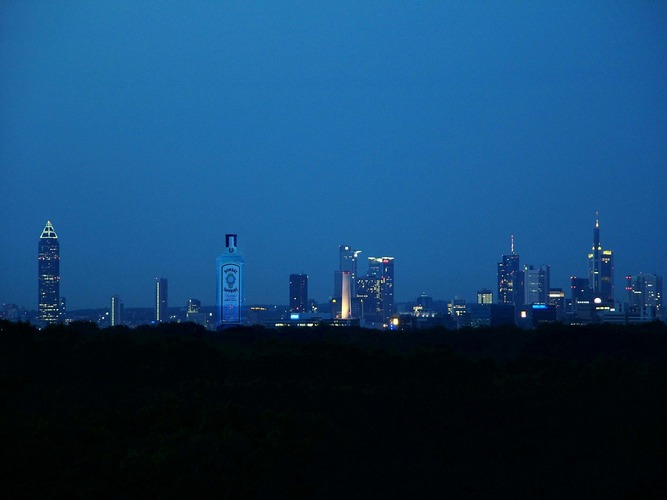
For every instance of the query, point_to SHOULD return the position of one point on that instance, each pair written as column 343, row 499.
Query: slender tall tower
column 508, row 277
column 347, row 259
column 161, row 300
column 594, row 258
column 48, row 275
column 229, row 277
column 116, row 311
column 346, row 295
column 601, row 267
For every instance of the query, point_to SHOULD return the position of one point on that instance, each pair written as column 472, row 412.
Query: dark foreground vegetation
column 175, row 411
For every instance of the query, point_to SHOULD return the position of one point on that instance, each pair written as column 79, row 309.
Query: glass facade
column 508, row 273
column 298, row 293
column 48, row 271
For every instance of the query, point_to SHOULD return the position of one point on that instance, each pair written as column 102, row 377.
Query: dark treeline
column 174, row 410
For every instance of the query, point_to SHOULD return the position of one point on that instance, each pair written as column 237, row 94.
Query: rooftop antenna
column 512, row 243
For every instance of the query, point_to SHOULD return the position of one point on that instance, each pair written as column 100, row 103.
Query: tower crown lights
column 49, row 231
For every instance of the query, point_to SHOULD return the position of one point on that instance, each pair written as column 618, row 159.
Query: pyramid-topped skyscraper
column 48, row 275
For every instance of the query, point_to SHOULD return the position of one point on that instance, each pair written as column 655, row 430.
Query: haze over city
column 429, row 133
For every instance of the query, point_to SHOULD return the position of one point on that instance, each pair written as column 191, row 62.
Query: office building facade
column 601, row 268
column 161, row 300
column 484, row 296
column 644, row 293
column 116, row 311
column 376, row 290
column 48, row 275
column 508, row 278
column 536, row 284
column 298, row 293
column 347, row 261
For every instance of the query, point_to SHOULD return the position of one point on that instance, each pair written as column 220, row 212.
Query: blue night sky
column 427, row 131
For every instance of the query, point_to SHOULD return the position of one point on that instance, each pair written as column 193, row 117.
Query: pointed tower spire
column 512, row 244
column 596, row 233
column 48, row 231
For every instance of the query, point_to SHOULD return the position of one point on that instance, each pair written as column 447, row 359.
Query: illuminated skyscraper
column 601, row 268
column 536, row 284
column 48, row 275
column 377, row 289
column 508, row 274
column 484, row 296
column 193, row 312
column 161, row 300
column 644, row 292
column 298, row 293
column 230, row 269
column 116, row 310
column 347, row 257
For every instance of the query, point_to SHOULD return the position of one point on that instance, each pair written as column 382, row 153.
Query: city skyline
column 517, row 284
column 430, row 133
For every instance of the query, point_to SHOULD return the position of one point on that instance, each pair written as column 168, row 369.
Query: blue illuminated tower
column 229, row 276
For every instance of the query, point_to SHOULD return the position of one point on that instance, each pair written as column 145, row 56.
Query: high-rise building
column 347, row 261
column 580, row 289
column 425, row 302
column 117, row 309
column 508, row 274
column 370, row 298
column 601, row 268
column 377, row 289
column 484, row 296
column 48, row 275
column 193, row 312
column 161, row 300
column 298, row 293
column 644, row 293
column 536, row 283
column 193, row 305
column 230, row 269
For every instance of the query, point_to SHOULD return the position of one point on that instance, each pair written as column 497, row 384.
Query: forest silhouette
column 174, row 410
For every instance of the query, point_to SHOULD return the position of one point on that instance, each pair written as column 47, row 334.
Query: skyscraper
column 48, row 275
column 161, row 300
column 116, row 310
column 644, row 292
column 298, row 293
column 377, row 289
column 193, row 312
column 230, row 269
column 484, row 296
column 347, row 261
column 508, row 273
column 601, row 267
column 536, row 284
